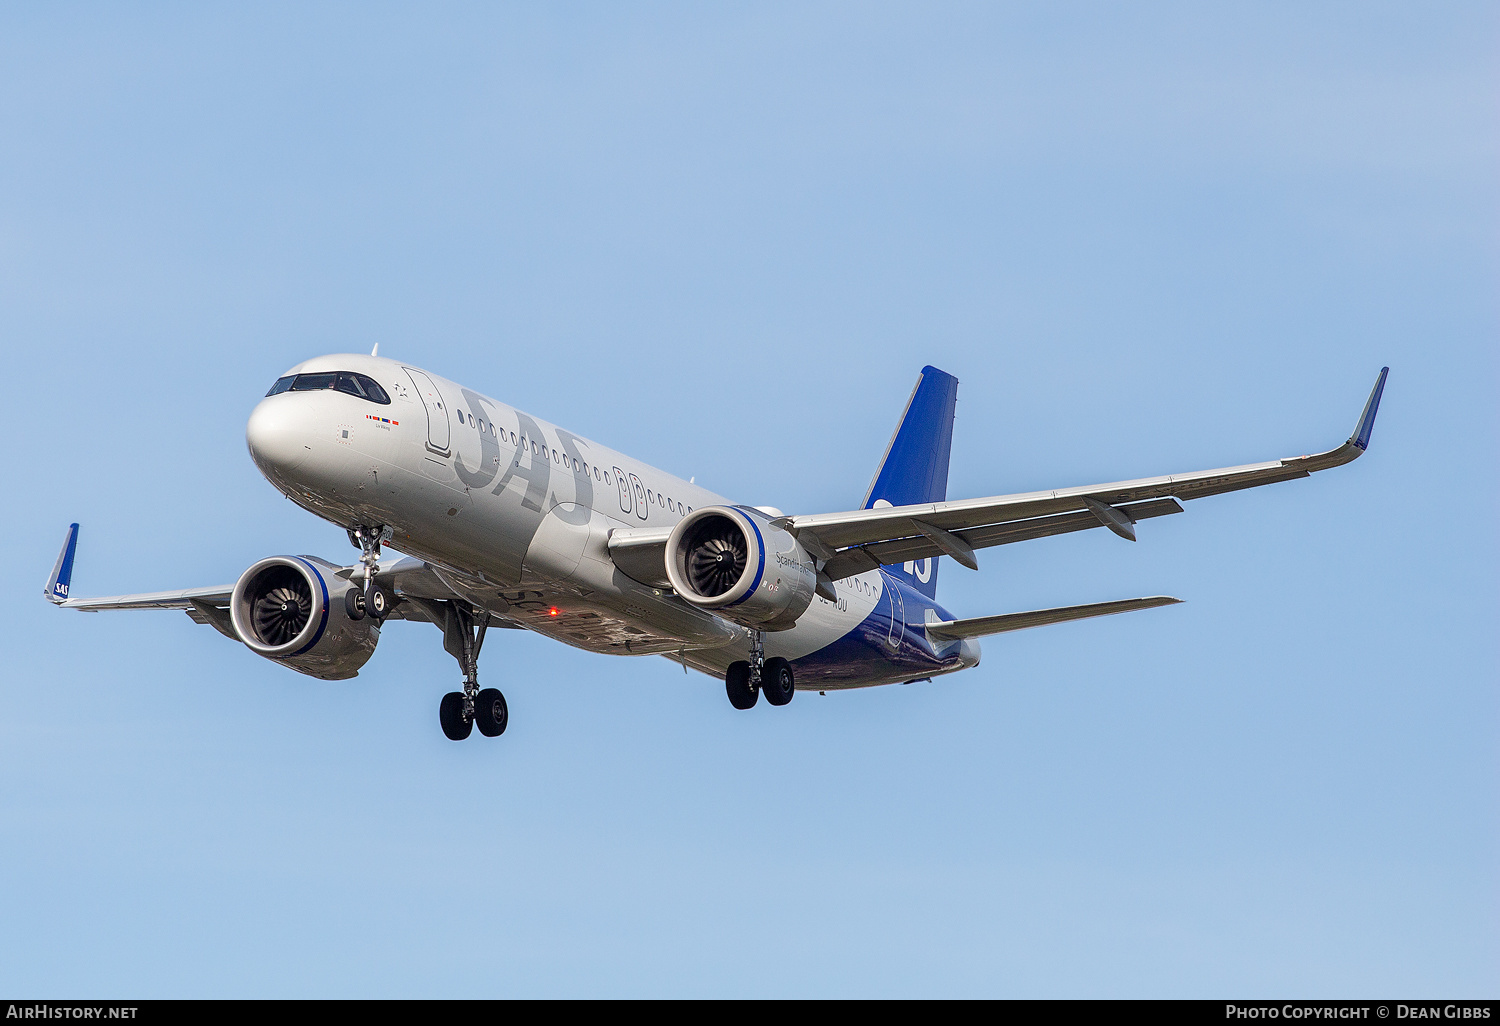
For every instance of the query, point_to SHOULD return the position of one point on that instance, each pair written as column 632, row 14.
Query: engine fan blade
column 717, row 562
column 281, row 614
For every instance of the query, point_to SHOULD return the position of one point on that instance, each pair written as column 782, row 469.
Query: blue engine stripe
column 760, row 570
column 323, row 624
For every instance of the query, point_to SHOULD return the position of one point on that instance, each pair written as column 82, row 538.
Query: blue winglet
column 62, row 573
column 1361, row 437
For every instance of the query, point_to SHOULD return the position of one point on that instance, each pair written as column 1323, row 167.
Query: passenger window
column 596, row 473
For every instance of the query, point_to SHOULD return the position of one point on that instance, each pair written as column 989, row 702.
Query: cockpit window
column 373, row 391
column 361, row 385
column 313, row 382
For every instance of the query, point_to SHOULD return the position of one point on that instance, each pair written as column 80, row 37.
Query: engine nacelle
column 293, row 609
column 734, row 562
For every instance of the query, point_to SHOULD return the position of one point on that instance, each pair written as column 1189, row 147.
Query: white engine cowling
column 731, row 560
column 292, row 609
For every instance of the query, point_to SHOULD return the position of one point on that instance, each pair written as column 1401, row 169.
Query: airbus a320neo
column 508, row 521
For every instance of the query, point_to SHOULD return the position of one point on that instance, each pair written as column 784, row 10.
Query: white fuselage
column 515, row 513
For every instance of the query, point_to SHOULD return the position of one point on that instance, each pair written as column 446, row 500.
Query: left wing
column 861, row 540
column 854, row 542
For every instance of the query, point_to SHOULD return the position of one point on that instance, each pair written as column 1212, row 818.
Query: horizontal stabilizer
column 980, row 626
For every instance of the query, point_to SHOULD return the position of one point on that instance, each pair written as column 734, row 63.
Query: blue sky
column 724, row 238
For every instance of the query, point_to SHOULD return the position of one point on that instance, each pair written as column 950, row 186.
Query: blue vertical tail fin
column 915, row 467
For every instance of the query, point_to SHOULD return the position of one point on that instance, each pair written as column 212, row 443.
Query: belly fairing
column 878, row 651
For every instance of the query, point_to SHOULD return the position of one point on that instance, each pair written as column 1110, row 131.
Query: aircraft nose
column 275, row 436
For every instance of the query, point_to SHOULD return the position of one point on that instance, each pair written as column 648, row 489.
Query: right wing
column 417, row 586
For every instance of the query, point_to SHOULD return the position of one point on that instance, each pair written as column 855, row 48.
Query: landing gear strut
column 463, row 636
column 757, row 658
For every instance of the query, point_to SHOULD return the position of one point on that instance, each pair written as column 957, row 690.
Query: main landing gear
column 744, row 681
column 461, row 711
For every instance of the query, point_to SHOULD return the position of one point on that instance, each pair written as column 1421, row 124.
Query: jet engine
column 731, row 560
column 296, row 611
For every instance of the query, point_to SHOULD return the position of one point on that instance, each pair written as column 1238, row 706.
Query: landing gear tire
column 354, row 604
column 777, row 681
column 375, row 602
column 490, row 712
column 737, row 684
column 456, row 725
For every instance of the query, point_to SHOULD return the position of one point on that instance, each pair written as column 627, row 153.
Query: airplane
column 503, row 520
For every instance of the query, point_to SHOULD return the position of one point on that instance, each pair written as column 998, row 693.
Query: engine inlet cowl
column 290, row 609
column 732, row 560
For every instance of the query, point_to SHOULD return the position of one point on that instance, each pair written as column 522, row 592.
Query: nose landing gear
column 370, row 599
column 461, row 711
